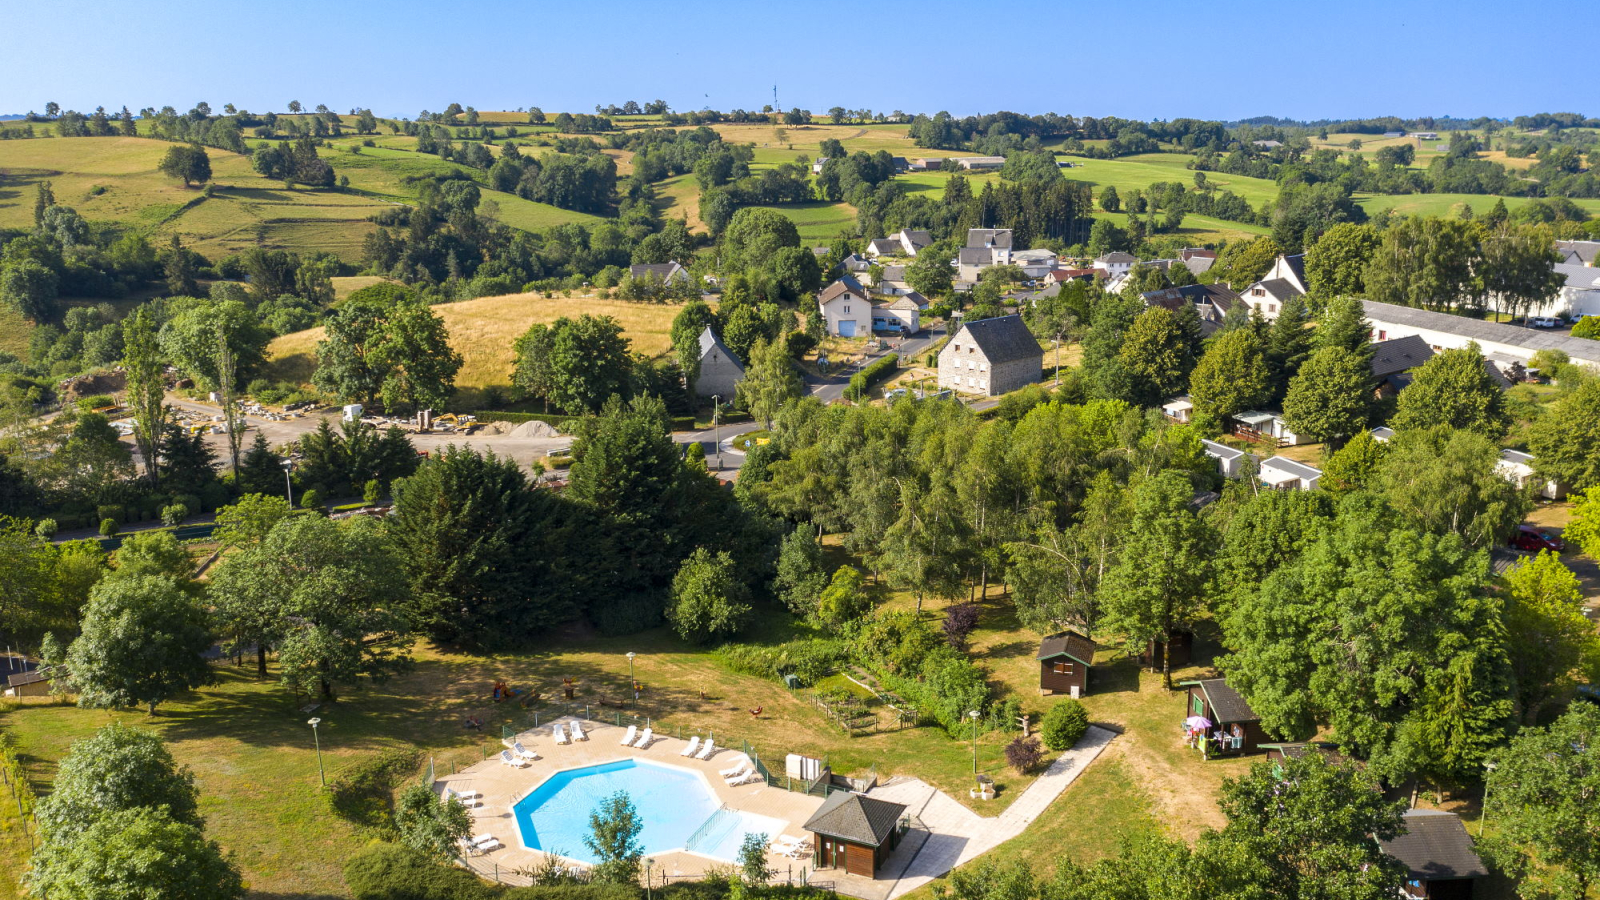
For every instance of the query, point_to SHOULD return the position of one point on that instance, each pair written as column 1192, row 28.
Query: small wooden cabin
column 1182, row 644
column 1064, row 663
column 854, row 832
column 28, row 684
column 1437, row 852
column 1299, row 749
column 1229, row 714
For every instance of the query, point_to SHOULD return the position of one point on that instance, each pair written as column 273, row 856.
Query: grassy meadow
column 483, row 330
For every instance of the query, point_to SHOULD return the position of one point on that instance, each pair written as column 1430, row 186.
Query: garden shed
column 855, row 832
column 1064, row 662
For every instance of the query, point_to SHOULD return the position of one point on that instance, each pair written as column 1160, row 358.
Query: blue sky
column 1138, row 59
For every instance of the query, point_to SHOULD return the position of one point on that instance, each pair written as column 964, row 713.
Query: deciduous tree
column 1330, row 398
column 140, row 853
column 141, row 643
column 1453, row 389
column 1541, row 795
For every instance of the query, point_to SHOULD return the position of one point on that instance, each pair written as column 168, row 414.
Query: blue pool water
column 672, row 802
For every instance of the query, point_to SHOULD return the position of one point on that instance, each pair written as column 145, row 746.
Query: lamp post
column 287, row 484
column 973, row 715
column 1483, row 815
column 315, row 737
column 716, row 407
column 648, row 862
column 633, row 684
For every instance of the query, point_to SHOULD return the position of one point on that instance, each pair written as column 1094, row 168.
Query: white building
column 1230, row 462
column 1444, row 331
column 902, row 314
column 1268, row 425
column 1285, row 474
column 1286, row 279
column 846, row 308
column 1115, row 264
column 1518, row 468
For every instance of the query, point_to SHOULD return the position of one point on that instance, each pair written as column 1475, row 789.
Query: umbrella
column 1195, row 723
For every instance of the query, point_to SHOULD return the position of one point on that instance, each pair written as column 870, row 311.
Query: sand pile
column 534, row 429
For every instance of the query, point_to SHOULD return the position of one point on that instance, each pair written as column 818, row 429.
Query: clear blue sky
column 1138, row 59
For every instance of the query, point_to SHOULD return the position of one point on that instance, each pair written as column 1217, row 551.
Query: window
column 847, row 309
column 983, row 367
column 1258, row 292
column 1061, row 668
column 1271, row 308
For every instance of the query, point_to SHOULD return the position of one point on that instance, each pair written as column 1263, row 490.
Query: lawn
column 1443, row 204
column 820, row 222
column 483, row 330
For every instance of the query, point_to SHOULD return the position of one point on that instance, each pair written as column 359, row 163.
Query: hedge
column 808, row 660
column 880, row 369
column 676, row 423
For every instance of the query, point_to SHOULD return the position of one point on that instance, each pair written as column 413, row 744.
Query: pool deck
column 501, row 785
column 946, row 834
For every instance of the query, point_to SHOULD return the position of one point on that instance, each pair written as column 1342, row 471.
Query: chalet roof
column 709, row 342
column 1399, row 355
column 1220, row 451
column 856, row 818
column 1297, row 264
column 1297, row 469
column 1516, row 457
column 1225, row 701
column 999, row 238
column 916, row 236
column 1070, row 644
column 974, row 256
column 1529, row 339
column 1435, row 846
column 1002, row 340
column 33, row 677
column 845, row 285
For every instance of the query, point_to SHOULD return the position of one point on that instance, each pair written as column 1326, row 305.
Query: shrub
column 1587, row 327
column 809, row 661
column 959, row 622
column 98, row 401
column 880, row 369
column 393, row 872
column 312, row 499
column 1024, row 754
column 361, row 792
column 173, row 514
column 108, row 527
column 1064, row 724
column 45, row 529
column 110, row 511
column 372, row 492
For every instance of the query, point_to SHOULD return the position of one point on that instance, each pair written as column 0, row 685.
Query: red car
column 1533, row 540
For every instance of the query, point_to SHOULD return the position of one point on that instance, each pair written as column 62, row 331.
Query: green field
column 818, row 223
column 1443, row 204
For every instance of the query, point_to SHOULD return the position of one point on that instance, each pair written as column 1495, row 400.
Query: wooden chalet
column 1064, row 663
column 1154, row 655
column 28, row 684
column 1437, row 852
column 1299, row 749
column 855, row 832
column 1235, row 728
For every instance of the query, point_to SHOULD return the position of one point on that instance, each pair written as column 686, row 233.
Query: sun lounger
column 707, row 750
column 560, row 733
column 694, row 745
column 577, row 732
column 486, row 842
column 466, row 795
column 644, row 739
column 739, row 772
column 628, row 739
column 746, row 778
column 514, row 761
column 740, row 766
column 463, row 799
column 523, row 752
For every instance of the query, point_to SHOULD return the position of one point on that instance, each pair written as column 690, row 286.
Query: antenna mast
column 775, row 106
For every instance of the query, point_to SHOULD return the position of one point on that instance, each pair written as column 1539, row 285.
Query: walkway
column 956, row 834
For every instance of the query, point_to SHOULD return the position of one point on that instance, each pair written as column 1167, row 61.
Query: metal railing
column 716, row 825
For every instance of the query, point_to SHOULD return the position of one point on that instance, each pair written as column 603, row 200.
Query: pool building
column 855, row 832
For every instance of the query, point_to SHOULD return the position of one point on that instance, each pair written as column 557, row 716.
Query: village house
column 846, row 308
column 1443, row 331
column 1179, row 409
column 666, row 273
column 902, row 314
column 1197, row 260
column 1284, row 474
column 1262, row 426
column 1519, row 469
column 985, row 247
column 882, row 247
column 1064, row 663
column 28, row 684
column 1115, row 264
column 1393, row 360
column 1440, row 861
column 1231, row 728
column 991, row 357
column 1211, row 302
column 891, row 280
column 720, row 370
column 1062, row 276
column 911, row 240
column 1286, row 279
column 816, row 167
column 1034, row 263
column 1230, row 461
column 854, row 832
column 1578, row 253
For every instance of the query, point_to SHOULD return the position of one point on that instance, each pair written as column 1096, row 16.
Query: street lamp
column 632, row 683
column 1483, row 814
column 716, row 407
column 287, row 484
column 648, row 862
column 314, row 736
column 973, row 715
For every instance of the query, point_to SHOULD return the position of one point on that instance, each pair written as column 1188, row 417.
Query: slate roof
column 1002, row 340
column 1225, row 701
column 1297, row 264
column 856, row 818
column 893, row 273
column 1117, row 256
column 1217, row 295
column 1220, row 451
column 1435, row 846
column 1070, row 644
column 974, row 256
column 884, row 245
column 1579, row 277
column 1036, row 255
column 1383, row 433
column 918, row 299
column 904, row 302
column 709, row 341
column 1529, row 339
column 989, row 237
column 26, row 678
column 1399, row 355
column 1297, row 469
column 1279, row 289
column 841, row 286
column 662, row 271
column 1517, row 457
column 916, row 236
column 1582, row 251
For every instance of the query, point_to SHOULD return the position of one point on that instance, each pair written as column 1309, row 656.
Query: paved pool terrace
column 948, row 834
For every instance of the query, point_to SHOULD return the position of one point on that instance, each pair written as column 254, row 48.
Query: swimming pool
column 675, row 805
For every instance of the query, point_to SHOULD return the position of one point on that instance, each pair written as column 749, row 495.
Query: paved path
column 957, row 835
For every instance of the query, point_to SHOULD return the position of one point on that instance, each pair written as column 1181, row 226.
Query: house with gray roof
column 901, row 315
column 1578, row 253
column 1443, row 331
column 854, row 832
column 1230, row 461
column 846, row 308
column 911, row 240
column 882, row 247
column 1441, row 862
column 975, row 163
column 1521, row 469
column 1065, row 659
column 1197, row 260
column 991, row 357
column 1286, row 278
column 720, row 370
column 1393, row 359
column 1285, row 474
column 666, row 272
column 1580, row 292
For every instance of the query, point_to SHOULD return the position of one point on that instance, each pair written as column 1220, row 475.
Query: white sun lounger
column 628, row 739
column 486, row 842
column 740, row 766
column 644, row 739
column 694, row 744
column 577, row 732
column 736, row 773
column 560, row 733
column 523, row 752
column 466, row 795
column 746, row 778
column 707, row 750
column 469, row 802
column 515, row 761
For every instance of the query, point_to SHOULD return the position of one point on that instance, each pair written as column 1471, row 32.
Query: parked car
column 1546, row 322
column 1533, row 540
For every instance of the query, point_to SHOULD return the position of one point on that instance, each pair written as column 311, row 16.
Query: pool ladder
column 712, row 830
